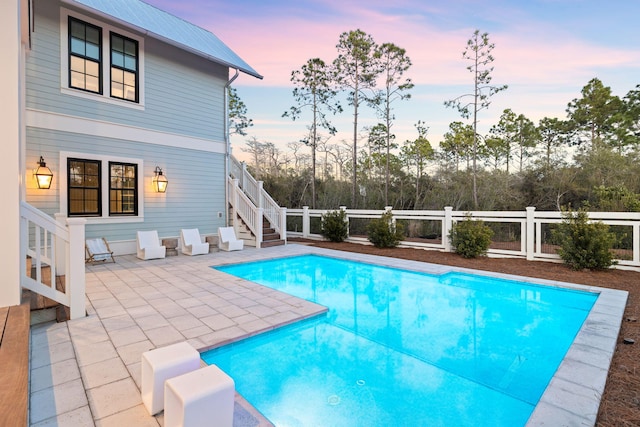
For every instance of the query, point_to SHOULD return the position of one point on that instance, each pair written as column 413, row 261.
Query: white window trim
column 104, row 181
column 106, row 61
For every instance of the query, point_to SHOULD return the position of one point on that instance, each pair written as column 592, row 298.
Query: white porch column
column 75, row 277
column 10, row 172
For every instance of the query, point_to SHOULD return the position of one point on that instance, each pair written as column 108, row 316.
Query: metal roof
column 166, row 27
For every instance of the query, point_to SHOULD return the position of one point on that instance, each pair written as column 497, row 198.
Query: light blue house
column 117, row 90
column 110, row 97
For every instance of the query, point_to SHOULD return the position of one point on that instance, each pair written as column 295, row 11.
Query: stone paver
column 87, row 371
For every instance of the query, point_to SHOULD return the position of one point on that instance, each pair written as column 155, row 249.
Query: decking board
column 14, row 365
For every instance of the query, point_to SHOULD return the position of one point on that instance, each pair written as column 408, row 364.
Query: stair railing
column 245, row 209
column 59, row 246
column 254, row 190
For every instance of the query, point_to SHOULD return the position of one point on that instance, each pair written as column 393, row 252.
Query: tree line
column 588, row 159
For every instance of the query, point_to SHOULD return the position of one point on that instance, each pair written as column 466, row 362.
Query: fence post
column 75, row 285
column 346, row 218
column 446, row 228
column 530, row 233
column 259, row 220
column 306, row 223
column 59, row 247
column 259, row 195
column 283, row 224
column 234, row 204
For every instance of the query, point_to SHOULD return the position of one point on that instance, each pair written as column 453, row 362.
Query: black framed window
column 85, row 56
column 124, row 68
column 123, row 188
column 83, row 180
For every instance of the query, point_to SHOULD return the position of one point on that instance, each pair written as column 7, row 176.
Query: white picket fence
column 522, row 234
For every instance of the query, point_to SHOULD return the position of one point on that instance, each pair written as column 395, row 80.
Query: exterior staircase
column 255, row 216
column 270, row 237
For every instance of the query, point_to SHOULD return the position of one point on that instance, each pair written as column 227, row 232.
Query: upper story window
column 85, row 56
column 124, row 68
column 100, row 61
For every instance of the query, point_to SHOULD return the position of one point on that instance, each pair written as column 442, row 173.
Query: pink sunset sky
column 545, row 50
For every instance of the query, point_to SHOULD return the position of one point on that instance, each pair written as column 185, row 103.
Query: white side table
column 201, row 398
column 161, row 364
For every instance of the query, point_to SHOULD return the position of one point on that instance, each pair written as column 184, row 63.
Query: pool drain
column 334, row 400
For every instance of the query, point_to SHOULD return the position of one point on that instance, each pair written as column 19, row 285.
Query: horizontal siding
column 184, row 93
column 193, row 199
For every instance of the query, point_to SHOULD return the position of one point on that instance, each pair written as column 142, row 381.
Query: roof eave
column 144, row 31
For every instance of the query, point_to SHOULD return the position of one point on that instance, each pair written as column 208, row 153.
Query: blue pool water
column 402, row 348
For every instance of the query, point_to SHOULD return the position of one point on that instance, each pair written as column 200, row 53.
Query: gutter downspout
column 227, row 141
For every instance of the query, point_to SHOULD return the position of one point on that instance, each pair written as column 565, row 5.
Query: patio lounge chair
column 191, row 242
column 227, row 240
column 98, row 250
column 149, row 245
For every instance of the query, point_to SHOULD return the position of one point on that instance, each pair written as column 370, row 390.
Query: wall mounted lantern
column 159, row 181
column 43, row 174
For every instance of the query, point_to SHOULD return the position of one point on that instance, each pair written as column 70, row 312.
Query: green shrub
column 470, row 238
column 384, row 233
column 335, row 227
column 584, row 244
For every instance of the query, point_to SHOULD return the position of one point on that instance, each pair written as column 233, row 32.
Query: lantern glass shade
column 159, row 181
column 43, row 174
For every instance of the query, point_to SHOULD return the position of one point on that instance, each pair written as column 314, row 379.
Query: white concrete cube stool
column 161, row 364
column 201, row 398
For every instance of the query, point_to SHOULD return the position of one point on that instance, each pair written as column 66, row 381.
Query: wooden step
column 270, row 236
column 14, row 359
column 270, row 243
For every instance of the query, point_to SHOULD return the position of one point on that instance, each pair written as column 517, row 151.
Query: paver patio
column 87, row 371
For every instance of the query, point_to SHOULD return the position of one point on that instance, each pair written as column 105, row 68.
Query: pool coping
column 573, row 394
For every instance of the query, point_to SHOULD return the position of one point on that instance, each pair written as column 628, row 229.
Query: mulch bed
column 620, row 404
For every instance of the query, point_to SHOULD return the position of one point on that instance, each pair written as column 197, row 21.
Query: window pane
column 117, row 75
column 130, row 63
column 93, row 84
column 92, row 68
column 91, row 201
column 77, row 80
column 77, row 29
column 117, row 59
column 92, row 168
column 93, row 35
column 129, row 79
column 77, row 46
column 130, row 93
column 130, row 48
column 117, row 90
column 93, row 51
column 117, row 43
column 77, row 64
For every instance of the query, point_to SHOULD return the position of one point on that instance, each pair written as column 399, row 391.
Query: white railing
column 254, row 190
column 55, row 249
column 245, row 209
column 524, row 234
column 246, row 181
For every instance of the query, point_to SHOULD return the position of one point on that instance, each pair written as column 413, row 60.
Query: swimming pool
column 403, row 348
